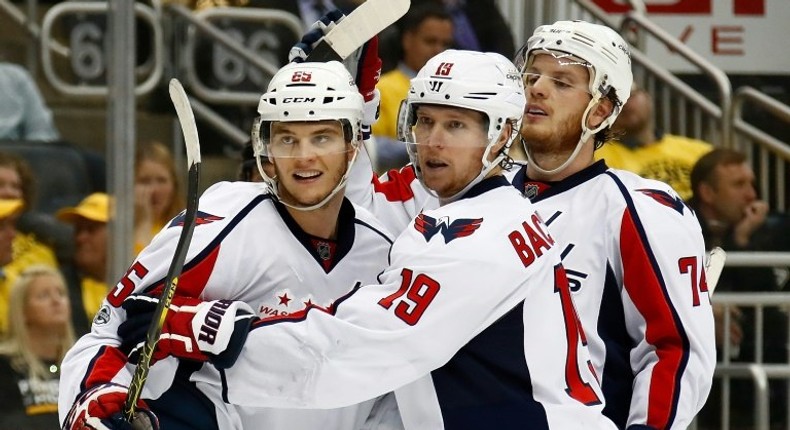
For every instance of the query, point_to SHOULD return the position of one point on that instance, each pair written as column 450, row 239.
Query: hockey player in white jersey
column 632, row 249
column 276, row 249
column 474, row 294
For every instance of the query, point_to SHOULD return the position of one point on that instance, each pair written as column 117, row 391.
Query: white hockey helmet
column 308, row 92
column 607, row 54
column 607, row 57
column 485, row 82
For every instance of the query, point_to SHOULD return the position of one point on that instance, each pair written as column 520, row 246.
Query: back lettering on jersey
column 530, row 242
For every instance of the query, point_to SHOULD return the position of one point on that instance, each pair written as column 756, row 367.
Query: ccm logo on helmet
column 208, row 331
column 298, row 99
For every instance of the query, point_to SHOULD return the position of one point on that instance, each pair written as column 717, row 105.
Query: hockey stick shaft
column 713, row 268
column 187, row 120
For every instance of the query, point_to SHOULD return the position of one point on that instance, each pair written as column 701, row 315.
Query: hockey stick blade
column 187, row 120
column 716, row 259
column 366, row 21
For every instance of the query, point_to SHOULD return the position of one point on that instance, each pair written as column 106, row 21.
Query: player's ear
column 352, row 151
column 600, row 112
column 268, row 167
column 506, row 134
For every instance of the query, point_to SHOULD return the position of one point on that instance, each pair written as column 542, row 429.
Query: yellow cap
column 9, row 207
column 95, row 207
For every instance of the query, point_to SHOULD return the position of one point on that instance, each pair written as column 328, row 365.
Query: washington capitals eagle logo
column 462, row 227
column 201, row 218
column 665, row 199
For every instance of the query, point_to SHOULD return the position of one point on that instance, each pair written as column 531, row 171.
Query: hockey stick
column 716, row 259
column 367, row 20
column 187, row 120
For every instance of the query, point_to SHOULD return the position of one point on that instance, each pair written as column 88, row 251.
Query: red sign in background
column 687, row 7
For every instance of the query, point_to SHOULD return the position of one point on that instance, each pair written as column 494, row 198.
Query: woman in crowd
column 40, row 333
column 158, row 196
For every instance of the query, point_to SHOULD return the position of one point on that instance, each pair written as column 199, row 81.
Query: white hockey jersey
column 471, row 288
column 634, row 255
column 244, row 247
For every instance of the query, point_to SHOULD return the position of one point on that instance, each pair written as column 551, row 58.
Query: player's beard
column 552, row 143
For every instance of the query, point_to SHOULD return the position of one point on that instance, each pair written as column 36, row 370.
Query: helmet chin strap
column 534, row 164
column 274, row 185
column 585, row 136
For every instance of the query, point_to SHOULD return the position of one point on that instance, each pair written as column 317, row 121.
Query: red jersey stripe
column 646, row 290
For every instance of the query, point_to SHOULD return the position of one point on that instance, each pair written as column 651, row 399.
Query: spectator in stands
column 425, row 30
column 40, row 333
column 16, row 178
column 23, row 113
column 648, row 151
column 16, row 183
column 734, row 218
column 36, row 229
column 158, row 196
column 478, row 25
column 86, row 272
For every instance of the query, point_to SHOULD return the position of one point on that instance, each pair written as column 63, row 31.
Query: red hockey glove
column 100, row 409
column 368, row 72
column 212, row 331
column 368, row 68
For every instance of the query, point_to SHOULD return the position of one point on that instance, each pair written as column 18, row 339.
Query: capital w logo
column 202, row 218
column 665, row 199
column 461, row 227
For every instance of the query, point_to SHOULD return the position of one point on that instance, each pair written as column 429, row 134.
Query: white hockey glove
column 212, row 331
column 364, row 64
column 100, row 409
